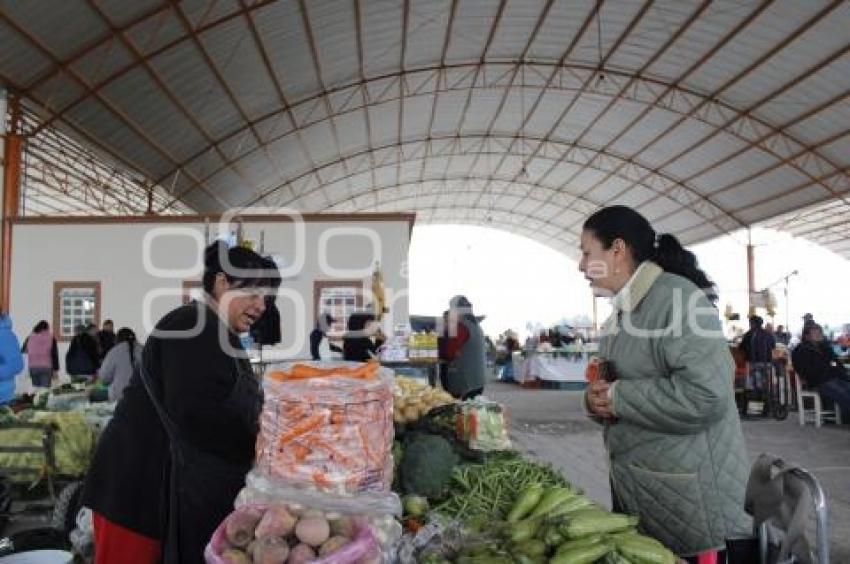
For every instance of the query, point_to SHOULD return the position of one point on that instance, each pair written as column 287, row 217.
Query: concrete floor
column 551, row 426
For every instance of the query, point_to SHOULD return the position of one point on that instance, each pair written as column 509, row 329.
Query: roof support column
column 751, row 273
column 12, row 145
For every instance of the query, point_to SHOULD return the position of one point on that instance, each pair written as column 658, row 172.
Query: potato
column 301, row 554
column 312, row 531
column 333, row 544
column 277, row 522
column 235, row 556
column 344, row 526
column 270, row 550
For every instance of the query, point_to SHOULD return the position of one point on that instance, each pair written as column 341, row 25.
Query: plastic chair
column 818, row 414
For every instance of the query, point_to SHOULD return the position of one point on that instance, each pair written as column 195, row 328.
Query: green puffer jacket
column 676, row 450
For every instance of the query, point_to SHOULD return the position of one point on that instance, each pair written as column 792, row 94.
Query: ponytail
column 126, row 335
column 674, row 258
column 622, row 222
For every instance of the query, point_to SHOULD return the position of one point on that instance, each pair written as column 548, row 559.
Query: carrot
column 309, row 424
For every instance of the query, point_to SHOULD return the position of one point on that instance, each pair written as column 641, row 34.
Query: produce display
column 328, row 426
column 482, row 425
column 413, row 399
column 281, row 533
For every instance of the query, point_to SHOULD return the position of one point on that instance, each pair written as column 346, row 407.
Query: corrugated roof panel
column 20, row 60
column 551, row 106
column 514, row 32
column 289, row 156
column 614, row 20
column 472, row 25
column 634, row 197
column 660, row 23
column 645, row 130
column 707, row 31
column 384, row 120
column 560, row 27
column 838, row 151
column 240, row 145
column 611, row 123
column 64, row 27
column 825, row 124
column 93, row 117
column 59, row 91
column 766, row 186
column 773, row 25
column 585, row 111
column 680, row 220
column 750, row 162
column 660, row 207
column 482, row 110
column 351, row 129
column 417, row 116
column 334, row 31
column 237, row 57
column 710, row 152
column 775, row 206
column 188, row 77
column 381, row 27
column 205, row 164
column 102, row 62
column 121, row 12
column 688, row 133
column 156, row 32
column 280, row 27
column 517, row 106
column 426, row 32
column 449, row 109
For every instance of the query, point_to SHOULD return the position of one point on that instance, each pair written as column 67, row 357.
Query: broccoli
column 426, row 468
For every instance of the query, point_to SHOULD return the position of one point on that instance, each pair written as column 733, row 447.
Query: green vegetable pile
column 482, row 493
column 556, row 525
column 427, row 465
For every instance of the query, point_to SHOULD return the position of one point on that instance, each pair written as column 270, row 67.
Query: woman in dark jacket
column 174, row 456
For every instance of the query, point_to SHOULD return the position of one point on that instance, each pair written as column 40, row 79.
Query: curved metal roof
column 526, row 115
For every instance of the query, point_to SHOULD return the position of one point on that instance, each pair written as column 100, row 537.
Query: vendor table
column 564, row 367
column 416, row 368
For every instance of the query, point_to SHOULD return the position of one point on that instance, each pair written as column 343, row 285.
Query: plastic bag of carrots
column 327, row 426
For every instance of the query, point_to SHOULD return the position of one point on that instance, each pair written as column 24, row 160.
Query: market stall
column 335, row 481
column 562, row 367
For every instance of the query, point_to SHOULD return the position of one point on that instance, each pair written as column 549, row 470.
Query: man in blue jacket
column 11, row 360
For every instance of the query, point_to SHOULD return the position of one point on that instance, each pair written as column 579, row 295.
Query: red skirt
column 114, row 544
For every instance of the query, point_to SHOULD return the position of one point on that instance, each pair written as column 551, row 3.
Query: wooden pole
column 11, row 195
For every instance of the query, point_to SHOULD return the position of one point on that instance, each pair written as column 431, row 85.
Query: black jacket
column 193, row 377
column 358, row 348
column 816, row 363
column 758, row 345
column 83, row 356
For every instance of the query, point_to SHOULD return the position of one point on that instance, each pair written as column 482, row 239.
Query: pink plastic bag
column 362, row 548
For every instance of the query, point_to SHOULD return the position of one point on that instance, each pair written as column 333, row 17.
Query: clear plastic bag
column 331, row 433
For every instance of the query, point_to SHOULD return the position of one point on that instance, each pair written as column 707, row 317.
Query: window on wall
column 339, row 298
column 75, row 304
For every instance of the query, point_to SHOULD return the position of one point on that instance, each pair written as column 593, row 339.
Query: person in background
column 120, row 362
column 106, row 338
column 782, row 336
column 758, row 346
column 42, row 355
column 511, row 345
column 362, row 338
column 11, row 360
column 83, row 357
column 175, row 454
column 463, row 351
column 815, row 362
column 671, row 429
column 319, row 333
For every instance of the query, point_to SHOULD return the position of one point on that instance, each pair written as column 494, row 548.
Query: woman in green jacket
column 672, row 432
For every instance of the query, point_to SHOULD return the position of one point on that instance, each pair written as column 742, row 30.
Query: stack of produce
column 413, row 399
column 328, row 426
column 323, row 470
column 274, row 534
column 557, row 525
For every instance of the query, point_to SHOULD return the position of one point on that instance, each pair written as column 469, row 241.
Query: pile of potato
column 276, row 535
column 414, row 398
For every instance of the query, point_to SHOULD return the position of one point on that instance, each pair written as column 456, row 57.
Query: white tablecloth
column 550, row 367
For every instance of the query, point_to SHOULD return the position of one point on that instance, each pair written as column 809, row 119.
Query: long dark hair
column 126, row 335
column 621, row 222
column 40, row 326
column 259, row 272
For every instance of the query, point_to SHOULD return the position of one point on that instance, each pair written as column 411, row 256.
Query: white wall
column 112, row 253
